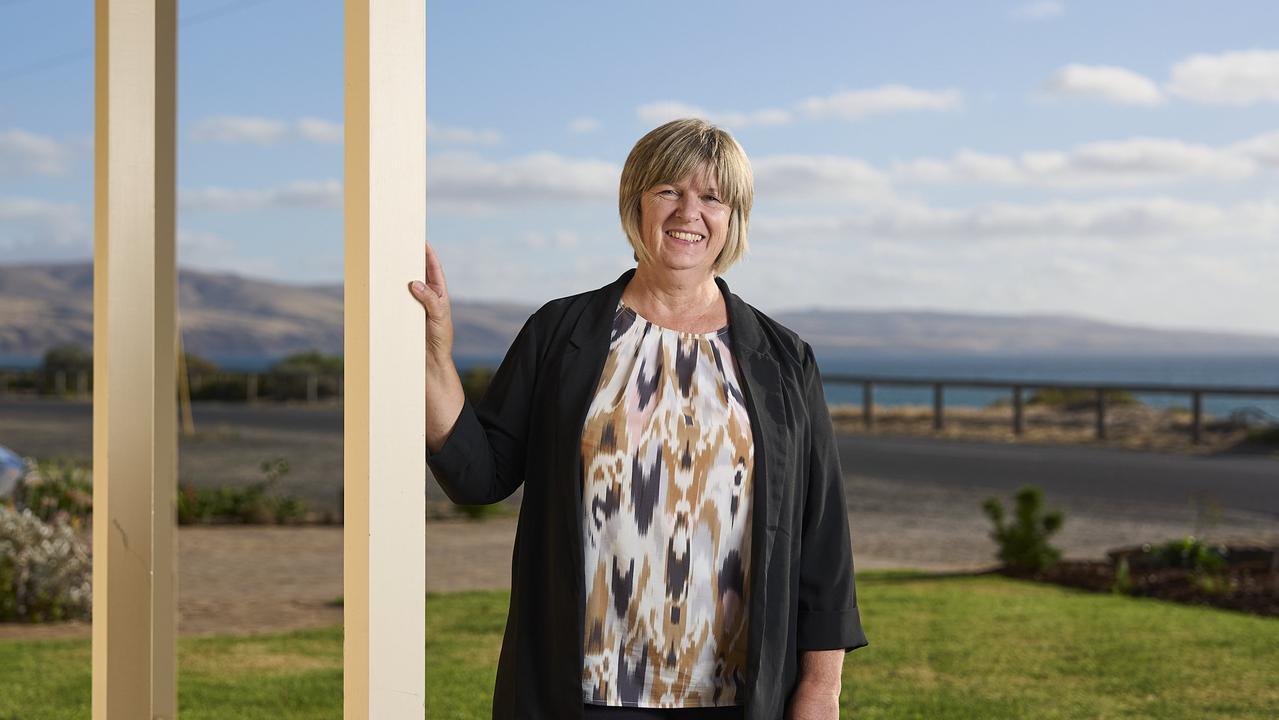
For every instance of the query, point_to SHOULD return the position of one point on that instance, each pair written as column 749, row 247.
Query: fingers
column 426, row 296
column 435, row 271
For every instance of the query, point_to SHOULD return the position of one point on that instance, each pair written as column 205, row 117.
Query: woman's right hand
column 444, row 396
column 434, row 297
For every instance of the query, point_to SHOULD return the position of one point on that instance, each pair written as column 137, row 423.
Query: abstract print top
column 667, row 459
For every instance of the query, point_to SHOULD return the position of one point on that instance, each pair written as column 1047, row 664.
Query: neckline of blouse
column 683, row 333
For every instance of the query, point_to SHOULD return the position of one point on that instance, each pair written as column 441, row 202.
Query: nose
column 688, row 207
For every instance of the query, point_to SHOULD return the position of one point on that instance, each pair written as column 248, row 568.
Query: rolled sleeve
column 828, row 615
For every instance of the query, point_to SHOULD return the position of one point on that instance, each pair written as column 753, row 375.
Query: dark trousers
column 604, row 712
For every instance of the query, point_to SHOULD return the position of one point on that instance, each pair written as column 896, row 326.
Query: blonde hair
column 672, row 152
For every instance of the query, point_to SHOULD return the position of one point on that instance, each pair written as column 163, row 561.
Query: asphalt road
column 1237, row 482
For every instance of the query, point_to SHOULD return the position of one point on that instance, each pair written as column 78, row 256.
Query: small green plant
column 253, row 505
column 480, row 512
column 1191, row 553
column 1023, row 542
column 1265, row 435
column 1122, row 584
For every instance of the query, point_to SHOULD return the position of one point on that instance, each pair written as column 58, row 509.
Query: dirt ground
column 241, row 580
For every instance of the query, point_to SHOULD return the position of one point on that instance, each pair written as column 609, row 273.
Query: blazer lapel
column 762, row 382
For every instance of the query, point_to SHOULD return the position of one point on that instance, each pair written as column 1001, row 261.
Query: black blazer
column 527, row 430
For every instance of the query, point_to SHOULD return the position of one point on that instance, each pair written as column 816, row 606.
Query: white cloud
column 464, row 181
column 656, row 113
column 856, row 104
column 849, row 105
column 1263, row 148
column 299, row 194
column 1052, row 227
column 446, row 135
column 23, row 154
column 246, row 130
column 320, row 131
column 560, row 239
column 28, row 224
column 1107, row 82
column 1151, row 260
column 819, row 178
column 1125, row 163
column 1040, row 10
column 201, row 250
column 236, row 129
column 1231, row 78
column 582, row 125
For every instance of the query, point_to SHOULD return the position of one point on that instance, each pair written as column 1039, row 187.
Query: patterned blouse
column 667, row 459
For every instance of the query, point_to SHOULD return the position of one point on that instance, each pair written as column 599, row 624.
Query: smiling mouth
column 686, row 237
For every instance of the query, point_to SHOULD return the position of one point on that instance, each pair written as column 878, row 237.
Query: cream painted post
column 384, row 545
column 134, row 398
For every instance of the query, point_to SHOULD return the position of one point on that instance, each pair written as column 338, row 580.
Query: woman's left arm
column 829, row 622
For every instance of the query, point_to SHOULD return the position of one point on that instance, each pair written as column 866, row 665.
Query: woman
column 683, row 547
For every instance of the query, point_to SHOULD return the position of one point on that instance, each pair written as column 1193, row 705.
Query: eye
column 668, row 193
column 711, row 199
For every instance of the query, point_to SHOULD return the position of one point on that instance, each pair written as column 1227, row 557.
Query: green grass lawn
column 941, row 647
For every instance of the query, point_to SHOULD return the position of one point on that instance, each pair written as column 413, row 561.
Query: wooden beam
column 384, row 560
column 134, row 403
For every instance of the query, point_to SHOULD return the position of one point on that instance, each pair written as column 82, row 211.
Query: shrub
column 44, row 570
column 1190, row 553
column 475, row 381
column 252, row 505
column 1023, row 542
column 57, row 490
column 69, row 360
column 311, row 361
column 1079, row 398
column 480, row 512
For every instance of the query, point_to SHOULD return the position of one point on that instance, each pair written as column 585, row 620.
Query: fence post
column 1101, row 414
column 251, row 388
column 1197, row 425
column 939, row 421
column 868, row 404
column 1019, row 420
column 312, row 388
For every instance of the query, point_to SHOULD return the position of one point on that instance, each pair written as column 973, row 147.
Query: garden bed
column 1248, row 581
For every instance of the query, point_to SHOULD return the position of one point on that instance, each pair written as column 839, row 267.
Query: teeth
column 686, row 237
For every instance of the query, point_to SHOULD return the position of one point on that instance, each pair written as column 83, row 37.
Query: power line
column 68, row 57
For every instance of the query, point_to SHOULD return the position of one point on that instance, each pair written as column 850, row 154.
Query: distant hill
column 227, row 315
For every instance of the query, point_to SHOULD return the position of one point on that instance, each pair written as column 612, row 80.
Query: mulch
column 1247, row 587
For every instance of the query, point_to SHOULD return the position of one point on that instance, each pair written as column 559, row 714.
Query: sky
column 1117, row 160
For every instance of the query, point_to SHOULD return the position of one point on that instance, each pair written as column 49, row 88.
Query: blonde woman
column 683, row 547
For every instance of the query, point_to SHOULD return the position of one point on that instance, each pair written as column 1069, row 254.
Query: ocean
column 1252, row 371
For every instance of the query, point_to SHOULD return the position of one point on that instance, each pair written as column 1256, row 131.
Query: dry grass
column 1135, row 427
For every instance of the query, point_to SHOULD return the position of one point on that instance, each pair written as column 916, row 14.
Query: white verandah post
column 384, row 545
column 134, row 396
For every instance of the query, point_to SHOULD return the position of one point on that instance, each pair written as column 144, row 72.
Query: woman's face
column 684, row 224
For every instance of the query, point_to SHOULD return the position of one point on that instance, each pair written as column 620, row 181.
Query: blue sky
column 1117, row 160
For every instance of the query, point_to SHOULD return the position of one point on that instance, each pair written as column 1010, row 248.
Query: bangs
column 683, row 153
